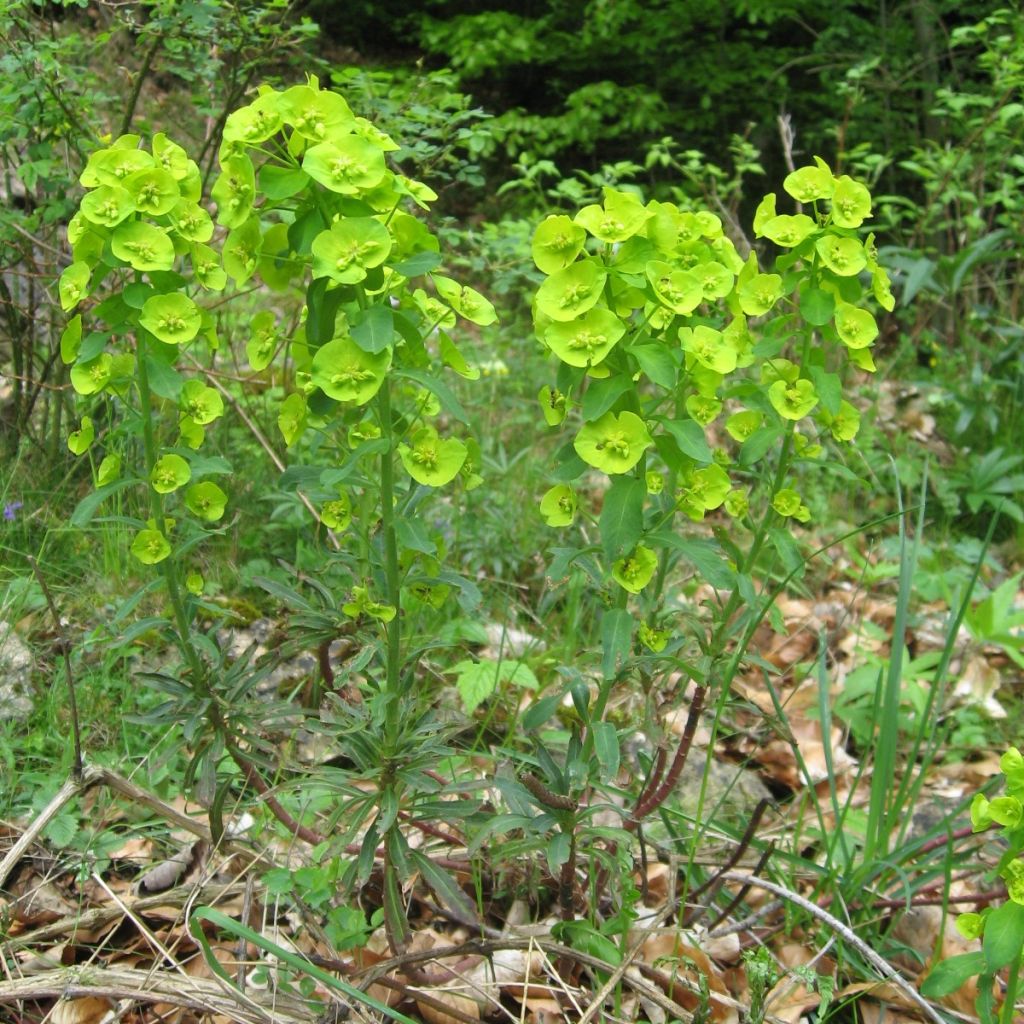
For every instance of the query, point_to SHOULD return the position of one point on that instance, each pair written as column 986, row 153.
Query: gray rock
column 15, row 675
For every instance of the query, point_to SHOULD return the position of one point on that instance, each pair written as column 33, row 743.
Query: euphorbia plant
column 306, row 199
column 697, row 385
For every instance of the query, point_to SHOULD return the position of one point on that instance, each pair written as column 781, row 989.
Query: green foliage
column 1001, row 929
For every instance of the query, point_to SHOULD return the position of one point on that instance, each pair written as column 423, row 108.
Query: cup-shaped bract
column 107, row 205
column 314, row 113
column 142, row 246
column 347, row 164
column 154, row 191
column 636, row 570
column 559, row 505
column 430, row 459
column 856, row 327
column 206, row 501
column 587, row 340
column 150, row 547
column 556, row 243
column 169, row 473
column 613, row 442
column 349, row 248
column 174, row 318
column 346, row 373
column 793, row 401
column 570, row 292
column 200, row 402
column 620, row 217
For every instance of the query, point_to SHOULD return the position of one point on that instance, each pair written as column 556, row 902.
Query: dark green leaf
column 1004, row 936
column 445, row 395
column 689, row 435
column 616, row 640
column 657, row 362
column 622, row 516
column 164, row 380
column 282, row 182
column 601, row 395
column 948, row 975
column 373, row 329
column 86, row 508
column 829, row 388
column 704, row 555
column 606, row 746
column 817, row 306
column 418, row 263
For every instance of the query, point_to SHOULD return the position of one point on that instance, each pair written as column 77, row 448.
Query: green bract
column 150, row 547
column 636, row 570
column 613, row 443
column 851, row 203
column 679, row 290
column 234, row 190
column 112, row 166
column 760, row 293
column 556, row 243
column 108, row 205
column 169, row 473
column 788, row 504
column 558, row 506
column 315, row 113
column 257, row 122
column 174, row 319
column 242, row 250
column 109, row 470
column 201, row 403
column 431, row 460
column 337, row 513
column 74, row 285
column 349, row 248
column 806, row 184
column 843, row 256
column 845, row 424
column 363, row 604
column 787, row 230
column 262, row 340
column 89, row 377
column 856, row 327
column 793, row 401
column 80, row 441
column 206, row 267
column 586, row 341
column 702, row 490
column 191, row 221
column 153, row 191
column 742, row 424
column 621, row 217
column 343, row 371
column 709, row 347
column 466, row 301
column 291, row 421
column 206, row 501
column 142, row 246
column 569, row 292
column 348, row 165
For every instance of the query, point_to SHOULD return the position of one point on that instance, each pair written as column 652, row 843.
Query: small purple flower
column 10, row 511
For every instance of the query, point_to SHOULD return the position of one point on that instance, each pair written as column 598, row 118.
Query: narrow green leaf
column 445, row 395
column 616, row 640
column 606, row 746
column 948, row 975
column 622, row 517
column 294, row 960
column 86, row 508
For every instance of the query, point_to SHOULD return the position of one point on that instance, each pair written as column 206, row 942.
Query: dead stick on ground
column 876, row 961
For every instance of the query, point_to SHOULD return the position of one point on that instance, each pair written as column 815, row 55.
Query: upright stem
column 394, row 597
column 156, row 508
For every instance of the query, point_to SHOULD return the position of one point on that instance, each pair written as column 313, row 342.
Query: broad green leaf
column 690, row 438
column 373, row 329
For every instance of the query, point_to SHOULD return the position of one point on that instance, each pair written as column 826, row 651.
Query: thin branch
column 848, row 936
